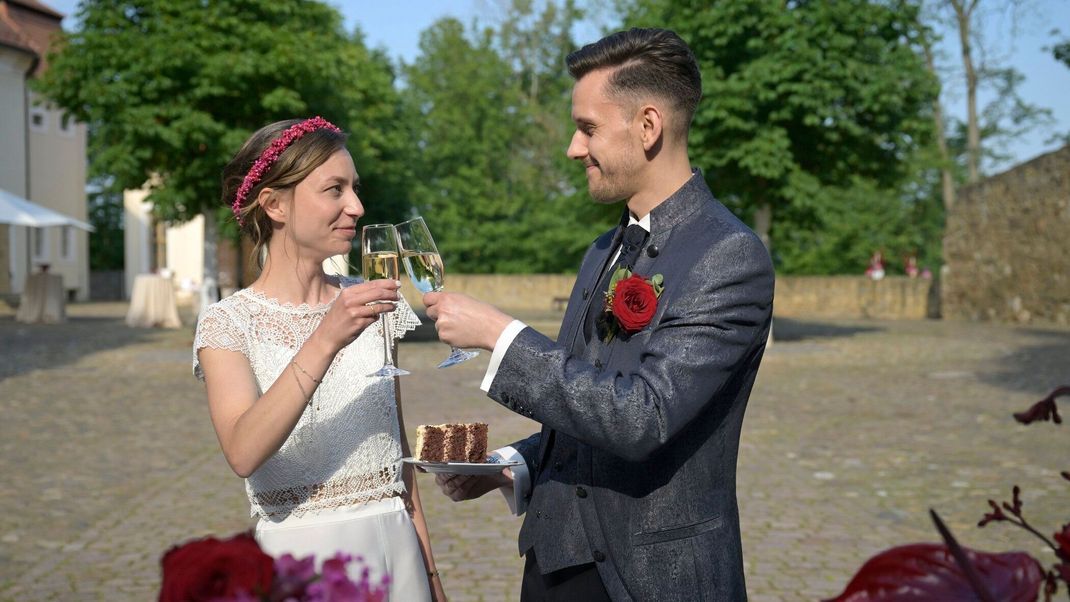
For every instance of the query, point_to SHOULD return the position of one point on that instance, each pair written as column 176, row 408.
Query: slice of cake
column 464, row 442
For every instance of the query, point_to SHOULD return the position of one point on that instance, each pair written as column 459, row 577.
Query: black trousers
column 566, row 585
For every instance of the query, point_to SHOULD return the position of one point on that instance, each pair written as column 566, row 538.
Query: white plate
column 467, row 468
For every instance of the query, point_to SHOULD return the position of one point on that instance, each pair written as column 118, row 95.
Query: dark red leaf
column 1063, row 539
column 1044, row 409
column 927, row 571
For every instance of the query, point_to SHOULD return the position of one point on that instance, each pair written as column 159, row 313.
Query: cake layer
column 454, row 442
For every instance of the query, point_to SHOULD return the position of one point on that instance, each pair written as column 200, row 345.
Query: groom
column 630, row 488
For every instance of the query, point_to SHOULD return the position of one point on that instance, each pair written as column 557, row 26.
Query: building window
column 66, row 125
column 38, row 119
column 66, row 244
column 39, row 242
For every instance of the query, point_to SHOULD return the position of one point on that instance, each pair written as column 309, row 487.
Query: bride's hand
column 355, row 309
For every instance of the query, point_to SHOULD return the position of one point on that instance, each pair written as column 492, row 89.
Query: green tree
column 806, row 104
column 489, row 115
column 1061, row 52
column 172, row 88
column 990, row 128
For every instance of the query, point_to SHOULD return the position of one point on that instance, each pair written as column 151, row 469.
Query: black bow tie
column 630, row 245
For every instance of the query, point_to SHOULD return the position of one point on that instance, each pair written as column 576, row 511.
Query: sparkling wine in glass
column 379, row 255
column 424, row 265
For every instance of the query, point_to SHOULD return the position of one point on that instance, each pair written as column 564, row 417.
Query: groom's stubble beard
column 616, row 180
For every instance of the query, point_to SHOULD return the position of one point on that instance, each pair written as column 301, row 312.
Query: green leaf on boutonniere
column 619, row 275
column 658, row 282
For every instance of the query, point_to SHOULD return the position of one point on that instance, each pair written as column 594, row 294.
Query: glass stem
column 387, row 355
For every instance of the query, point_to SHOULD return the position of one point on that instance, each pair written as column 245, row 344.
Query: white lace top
column 346, row 447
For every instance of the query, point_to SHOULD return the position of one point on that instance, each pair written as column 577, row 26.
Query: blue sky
column 396, row 25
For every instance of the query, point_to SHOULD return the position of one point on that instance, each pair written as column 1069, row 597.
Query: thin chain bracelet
column 294, row 367
column 298, row 366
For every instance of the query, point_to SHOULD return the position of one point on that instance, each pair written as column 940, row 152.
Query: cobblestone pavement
column 854, row 430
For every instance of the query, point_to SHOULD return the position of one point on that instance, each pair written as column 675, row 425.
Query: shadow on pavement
column 27, row 347
column 1037, row 368
column 794, row 329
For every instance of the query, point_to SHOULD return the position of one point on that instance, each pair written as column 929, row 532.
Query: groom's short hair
column 646, row 62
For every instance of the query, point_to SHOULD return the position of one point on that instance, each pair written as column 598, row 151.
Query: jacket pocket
column 644, row 538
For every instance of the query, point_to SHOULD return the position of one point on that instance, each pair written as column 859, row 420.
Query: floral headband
column 272, row 153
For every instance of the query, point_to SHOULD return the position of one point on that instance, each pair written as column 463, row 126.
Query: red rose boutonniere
column 631, row 302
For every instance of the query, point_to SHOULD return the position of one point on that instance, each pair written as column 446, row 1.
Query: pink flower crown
column 272, row 153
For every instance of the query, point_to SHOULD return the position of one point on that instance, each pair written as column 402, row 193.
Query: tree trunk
column 963, row 14
column 763, row 220
column 210, row 277
column 946, row 179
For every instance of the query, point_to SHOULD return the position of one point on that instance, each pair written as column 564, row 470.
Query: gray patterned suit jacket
column 635, row 467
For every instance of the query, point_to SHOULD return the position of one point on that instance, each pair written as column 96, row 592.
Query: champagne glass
column 379, row 254
column 425, row 268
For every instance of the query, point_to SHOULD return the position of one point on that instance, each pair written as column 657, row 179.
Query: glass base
column 457, row 356
column 389, row 370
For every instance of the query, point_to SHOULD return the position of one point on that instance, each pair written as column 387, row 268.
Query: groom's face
column 605, row 140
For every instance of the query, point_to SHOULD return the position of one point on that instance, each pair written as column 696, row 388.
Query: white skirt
column 379, row 532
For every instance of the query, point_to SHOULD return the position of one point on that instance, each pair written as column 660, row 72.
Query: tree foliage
column 981, row 141
column 1061, row 52
column 806, row 105
column 172, row 88
column 488, row 109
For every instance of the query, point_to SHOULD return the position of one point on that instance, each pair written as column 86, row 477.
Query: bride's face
column 326, row 208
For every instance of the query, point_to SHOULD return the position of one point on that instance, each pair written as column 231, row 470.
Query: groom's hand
column 462, row 321
column 459, row 487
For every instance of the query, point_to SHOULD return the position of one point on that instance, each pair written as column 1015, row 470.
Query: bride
column 284, row 363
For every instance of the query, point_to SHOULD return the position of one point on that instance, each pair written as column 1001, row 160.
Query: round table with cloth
column 152, row 303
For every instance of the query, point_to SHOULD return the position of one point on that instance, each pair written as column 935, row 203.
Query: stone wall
column 516, row 292
column 891, row 298
column 1007, row 246
column 894, row 297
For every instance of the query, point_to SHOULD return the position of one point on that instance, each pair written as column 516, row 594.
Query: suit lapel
column 586, row 285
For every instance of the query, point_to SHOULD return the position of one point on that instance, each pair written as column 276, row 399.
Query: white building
column 42, row 156
column 178, row 249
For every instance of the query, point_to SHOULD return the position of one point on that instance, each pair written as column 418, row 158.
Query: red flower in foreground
column 920, row 572
column 208, row 569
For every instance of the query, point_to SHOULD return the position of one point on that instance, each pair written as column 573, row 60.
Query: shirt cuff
column 517, row 495
column 505, row 339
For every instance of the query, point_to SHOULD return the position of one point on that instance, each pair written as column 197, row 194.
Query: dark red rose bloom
column 206, row 569
column 634, row 303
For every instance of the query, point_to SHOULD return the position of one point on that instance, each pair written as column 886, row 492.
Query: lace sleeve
column 217, row 330
column 403, row 319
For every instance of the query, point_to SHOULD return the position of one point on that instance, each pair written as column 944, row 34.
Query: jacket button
column 581, row 492
column 598, row 556
column 558, row 466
